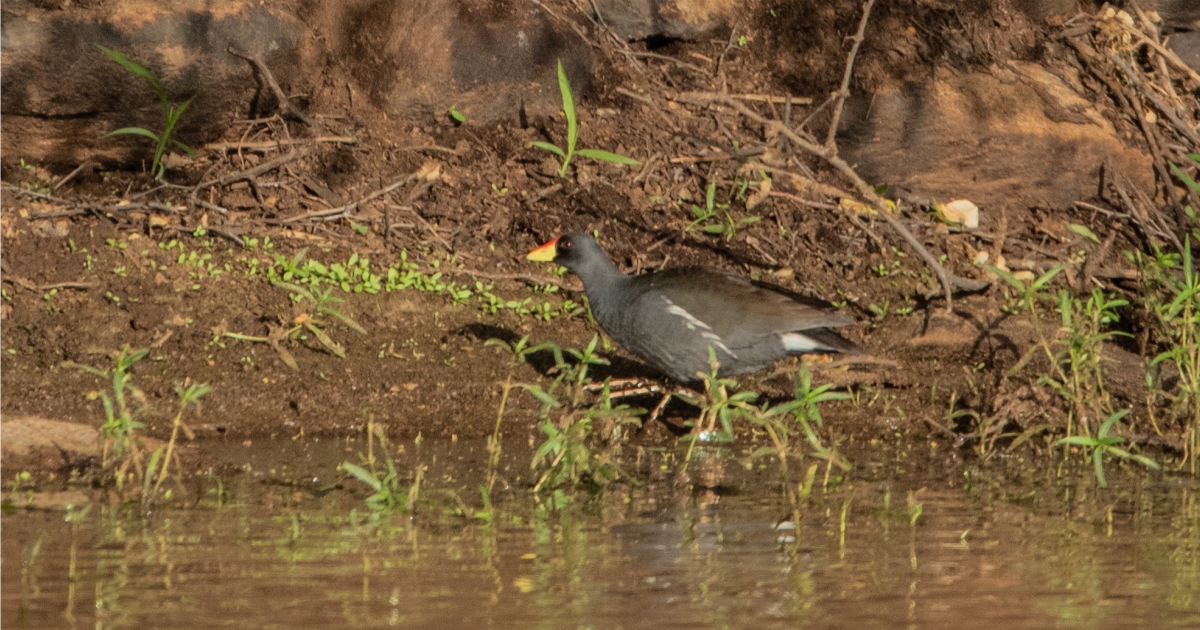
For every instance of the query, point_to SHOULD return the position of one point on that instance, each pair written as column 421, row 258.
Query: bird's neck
column 600, row 277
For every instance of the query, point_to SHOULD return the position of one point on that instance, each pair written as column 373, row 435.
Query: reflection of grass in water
column 1056, row 547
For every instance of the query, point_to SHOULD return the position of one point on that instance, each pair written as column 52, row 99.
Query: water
column 1004, row 545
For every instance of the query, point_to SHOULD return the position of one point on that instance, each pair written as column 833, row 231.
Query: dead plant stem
column 844, row 91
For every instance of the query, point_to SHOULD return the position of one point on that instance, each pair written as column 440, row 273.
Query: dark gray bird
column 671, row 318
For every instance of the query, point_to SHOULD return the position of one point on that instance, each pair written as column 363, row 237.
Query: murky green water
column 994, row 547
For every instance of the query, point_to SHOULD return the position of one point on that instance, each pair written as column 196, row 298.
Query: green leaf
column 1191, row 183
column 137, row 131
column 568, row 100
column 607, row 156
column 1098, row 460
column 363, row 475
column 456, row 115
column 1111, row 420
column 345, row 319
column 1083, row 231
column 1008, row 277
column 137, row 69
column 714, row 229
column 326, row 341
column 189, row 150
column 550, row 147
column 1047, row 277
column 541, row 395
column 1077, row 440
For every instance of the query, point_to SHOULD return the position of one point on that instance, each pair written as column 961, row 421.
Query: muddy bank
column 419, row 225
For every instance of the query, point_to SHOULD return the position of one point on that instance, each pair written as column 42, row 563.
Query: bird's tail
column 819, row 340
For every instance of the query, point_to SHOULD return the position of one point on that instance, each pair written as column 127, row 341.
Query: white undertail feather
column 796, row 342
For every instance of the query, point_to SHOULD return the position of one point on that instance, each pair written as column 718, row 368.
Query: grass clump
column 171, row 114
column 124, row 451
column 1102, row 444
column 708, row 218
column 121, row 409
column 389, row 493
column 570, row 456
column 1076, row 368
column 568, row 100
column 1171, row 289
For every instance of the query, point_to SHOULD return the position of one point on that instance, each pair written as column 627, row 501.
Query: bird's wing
column 736, row 308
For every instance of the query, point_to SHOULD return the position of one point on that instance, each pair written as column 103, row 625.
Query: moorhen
column 670, row 318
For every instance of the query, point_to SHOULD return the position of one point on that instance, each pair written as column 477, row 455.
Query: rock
column 52, row 229
column 413, row 60
column 1017, row 137
column 60, row 94
column 1187, row 46
column 489, row 60
column 960, row 212
column 673, row 19
column 33, row 443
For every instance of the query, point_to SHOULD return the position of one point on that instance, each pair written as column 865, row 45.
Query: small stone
column 960, row 212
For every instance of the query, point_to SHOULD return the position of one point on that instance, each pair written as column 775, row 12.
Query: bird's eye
column 565, row 244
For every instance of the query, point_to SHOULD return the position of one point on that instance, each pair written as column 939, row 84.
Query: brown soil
column 423, row 365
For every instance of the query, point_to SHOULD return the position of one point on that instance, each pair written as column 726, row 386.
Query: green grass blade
column 607, row 156
column 1191, row 183
column 363, row 475
column 1098, row 460
column 551, row 148
column 1111, row 420
column 137, row 69
column 326, row 341
column 135, row 131
column 541, row 395
column 345, row 319
column 568, row 99
column 189, row 150
column 295, row 288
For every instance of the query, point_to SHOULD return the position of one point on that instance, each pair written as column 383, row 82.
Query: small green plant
column 1102, row 444
column 568, row 100
column 780, row 422
column 720, row 403
column 708, row 217
column 1078, row 369
column 189, row 394
column 808, row 409
column 568, row 456
column 120, row 412
column 171, row 114
column 492, row 304
column 389, row 492
column 314, row 319
column 456, row 116
column 1173, row 303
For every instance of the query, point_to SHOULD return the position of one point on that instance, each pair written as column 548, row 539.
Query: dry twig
column 285, row 104
column 842, row 93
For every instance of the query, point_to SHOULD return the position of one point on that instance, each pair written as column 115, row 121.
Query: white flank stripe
column 716, row 339
column 796, row 342
column 692, row 323
column 691, row 320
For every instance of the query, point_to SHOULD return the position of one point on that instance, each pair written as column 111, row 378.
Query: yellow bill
column 545, row 253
